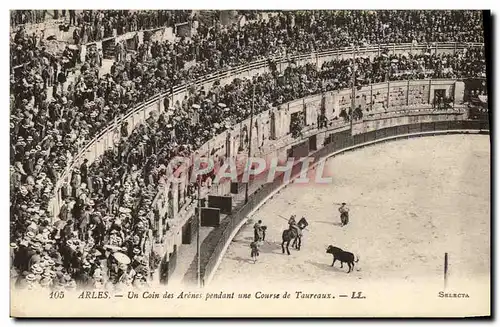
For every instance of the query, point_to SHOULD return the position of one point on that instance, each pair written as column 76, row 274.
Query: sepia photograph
column 250, row 163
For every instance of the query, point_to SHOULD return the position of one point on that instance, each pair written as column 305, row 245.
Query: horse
column 342, row 256
column 293, row 234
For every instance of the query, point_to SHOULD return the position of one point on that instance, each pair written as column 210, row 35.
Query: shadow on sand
column 330, row 223
column 265, row 247
column 242, row 260
column 241, row 240
column 270, row 247
column 326, row 267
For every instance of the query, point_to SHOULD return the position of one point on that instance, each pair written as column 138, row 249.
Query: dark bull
column 342, row 256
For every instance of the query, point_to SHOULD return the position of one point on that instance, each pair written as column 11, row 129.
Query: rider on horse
column 293, row 224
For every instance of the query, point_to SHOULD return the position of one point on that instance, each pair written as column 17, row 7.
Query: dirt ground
column 410, row 202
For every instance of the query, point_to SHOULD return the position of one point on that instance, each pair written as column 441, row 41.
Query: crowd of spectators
column 107, row 204
column 95, row 25
column 23, row 17
column 388, row 26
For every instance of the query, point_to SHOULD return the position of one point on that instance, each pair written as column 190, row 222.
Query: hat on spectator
column 31, row 277
column 37, row 270
column 47, row 273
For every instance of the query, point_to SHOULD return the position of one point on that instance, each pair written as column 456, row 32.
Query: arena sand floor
column 410, row 202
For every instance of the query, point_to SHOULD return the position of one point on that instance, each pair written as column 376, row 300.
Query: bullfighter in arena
column 344, row 214
column 255, row 251
column 257, row 231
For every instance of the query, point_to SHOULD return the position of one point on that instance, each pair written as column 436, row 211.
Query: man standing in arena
column 257, row 231
column 344, row 214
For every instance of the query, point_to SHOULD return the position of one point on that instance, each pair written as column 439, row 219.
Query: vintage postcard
column 246, row 163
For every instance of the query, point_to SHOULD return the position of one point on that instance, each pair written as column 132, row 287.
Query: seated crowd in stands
column 107, row 203
column 95, row 25
column 22, row 17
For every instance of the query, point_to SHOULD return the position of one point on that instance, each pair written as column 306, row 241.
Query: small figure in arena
column 255, row 251
column 344, row 214
column 257, row 232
